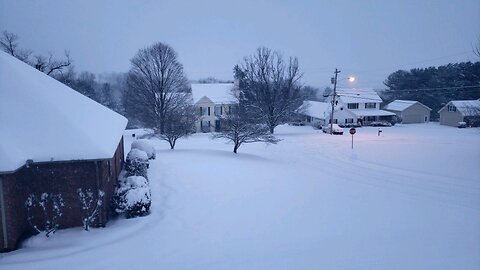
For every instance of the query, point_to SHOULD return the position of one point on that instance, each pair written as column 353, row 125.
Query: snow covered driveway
column 409, row 199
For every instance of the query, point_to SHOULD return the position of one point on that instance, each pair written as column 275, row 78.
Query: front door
column 217, row 125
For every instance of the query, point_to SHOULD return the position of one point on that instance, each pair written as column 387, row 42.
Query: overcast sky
column 368, row 39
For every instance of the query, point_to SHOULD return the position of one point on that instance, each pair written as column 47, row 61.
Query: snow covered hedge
column 136, row 163
column 146, row 146
column 132, row 196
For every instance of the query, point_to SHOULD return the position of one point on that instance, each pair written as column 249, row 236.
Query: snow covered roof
column 315, row 109
column 400, row 105
column 44, row 120
column 466, row 107
column 219, row 93
column 358, row 95
column 371, row 112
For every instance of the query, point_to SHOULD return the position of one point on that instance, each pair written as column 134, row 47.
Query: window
column 335, row 121
column 451, row 108
column 352, row 105
column 203, row 111
column 370, row 118
column 371, row 105
column 348, row 120
column 218, row 110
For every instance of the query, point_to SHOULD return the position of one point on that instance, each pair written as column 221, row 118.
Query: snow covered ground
column 409, row 199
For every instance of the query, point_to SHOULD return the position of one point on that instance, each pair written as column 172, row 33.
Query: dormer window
column 451, row 108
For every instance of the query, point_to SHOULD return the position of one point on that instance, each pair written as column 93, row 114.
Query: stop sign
column 353, row 130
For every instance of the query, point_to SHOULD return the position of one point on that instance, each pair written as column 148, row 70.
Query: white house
column 457, row 111
column 410, row 111
column 352, row 107
column 318, row 114
column 212, row 100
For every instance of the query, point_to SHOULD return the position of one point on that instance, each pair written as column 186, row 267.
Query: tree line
column 435, row 86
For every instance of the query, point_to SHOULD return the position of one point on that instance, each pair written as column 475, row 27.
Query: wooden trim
column 4, row 221
column 97, row 176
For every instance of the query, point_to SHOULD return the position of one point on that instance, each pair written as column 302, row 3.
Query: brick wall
column 57, row 177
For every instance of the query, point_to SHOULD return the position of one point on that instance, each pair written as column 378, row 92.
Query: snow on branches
column 90, row 206
column 50, row 204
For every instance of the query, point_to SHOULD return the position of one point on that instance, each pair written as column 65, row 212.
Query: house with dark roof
column 409, row 111
column 53, row 140
column 457, row 111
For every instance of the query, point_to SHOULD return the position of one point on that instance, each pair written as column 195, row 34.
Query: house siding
column 205, row 104
column 415, row 114
column 56, row 177
column 450, row 118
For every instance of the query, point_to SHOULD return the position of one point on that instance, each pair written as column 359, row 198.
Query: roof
column 401, row 105
column 315, row 109
column 219, row 93
column 44, row 120
column 358, row 95
column 371, row 112
column 466, row 107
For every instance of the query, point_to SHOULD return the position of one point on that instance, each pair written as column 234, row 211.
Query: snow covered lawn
column 409, row 199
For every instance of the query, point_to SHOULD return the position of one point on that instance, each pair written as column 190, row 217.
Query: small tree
column 179, row 123
column 90, row 206
column 239, row 128
column 51, row 205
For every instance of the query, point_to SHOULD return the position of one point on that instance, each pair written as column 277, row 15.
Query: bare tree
column 239, row 128
column 476, row 48
column 90, row 206
column 157, row 85
column 269, row 86
column 180, row 122
column 9, row 43
column 50, row 65
column 51, row 205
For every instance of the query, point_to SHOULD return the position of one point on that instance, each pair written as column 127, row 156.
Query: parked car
column 337, row 130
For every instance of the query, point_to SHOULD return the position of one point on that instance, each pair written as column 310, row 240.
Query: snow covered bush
column 132, row 196
column 51, row 205
column 136, row 163
column 90, row 206
column 146, row 146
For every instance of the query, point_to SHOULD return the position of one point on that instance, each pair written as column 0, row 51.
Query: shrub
column 51, row 205
column 146, row 146
column 136, row 163
column 132, row 196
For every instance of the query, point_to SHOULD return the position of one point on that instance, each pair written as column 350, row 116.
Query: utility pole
column 334, row 81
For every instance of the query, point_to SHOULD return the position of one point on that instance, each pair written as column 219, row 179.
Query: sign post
column 352, row 131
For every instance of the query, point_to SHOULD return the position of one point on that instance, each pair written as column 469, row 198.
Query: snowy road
column 409, row 199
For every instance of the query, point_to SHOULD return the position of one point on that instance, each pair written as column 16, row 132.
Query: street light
column 334, row 81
